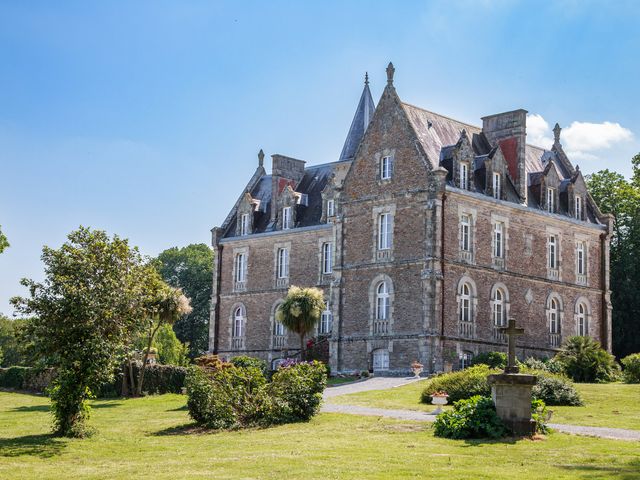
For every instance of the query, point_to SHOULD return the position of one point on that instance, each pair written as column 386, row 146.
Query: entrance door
column 381, row 359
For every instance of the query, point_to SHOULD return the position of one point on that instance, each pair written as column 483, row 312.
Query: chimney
column 284, row 171
column 509, row 131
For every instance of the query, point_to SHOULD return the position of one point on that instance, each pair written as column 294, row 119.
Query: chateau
column 426, row 235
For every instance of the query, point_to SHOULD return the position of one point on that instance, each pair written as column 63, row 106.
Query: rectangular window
column 465, row 232
column 386, row 168
column 327, row 258
column 384, row 231
column 498, row 240
column 551, row 200
column 240, row 267
column 283, row 263
column 464, row 176
column 330, row 208
column 244, row 224
column 325, row 322
column 553, row 252
column 579, row 208
column 496, row 185
column 581, row 258
column 286, row 218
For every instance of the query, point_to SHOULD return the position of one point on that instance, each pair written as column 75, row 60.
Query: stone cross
column 512, row 332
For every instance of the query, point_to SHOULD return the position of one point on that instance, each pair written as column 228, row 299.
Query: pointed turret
column 361, row 119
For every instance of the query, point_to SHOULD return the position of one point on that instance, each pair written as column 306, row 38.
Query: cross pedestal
column 511, row 390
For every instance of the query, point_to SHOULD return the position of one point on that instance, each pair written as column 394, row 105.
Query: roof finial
column 260, row 158
column 366, row 78
column 556, row 134
column 390, row 72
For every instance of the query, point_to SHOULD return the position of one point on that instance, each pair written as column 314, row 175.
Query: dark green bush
column 584, row 360
column 492, row 359
column 159, row 379
column 26, row 378
column 475, row 417
column 13, row 377
column 461, row 384
column 246, row 361
column 631, row 363
column 551, row 365
column 227, row 396
column 554, row 389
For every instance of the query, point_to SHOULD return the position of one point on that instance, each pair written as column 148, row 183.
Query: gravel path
column 383, row 383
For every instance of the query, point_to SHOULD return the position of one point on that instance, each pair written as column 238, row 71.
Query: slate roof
column 359, row 124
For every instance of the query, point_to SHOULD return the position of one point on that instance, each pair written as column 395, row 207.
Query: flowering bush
column 475, row 417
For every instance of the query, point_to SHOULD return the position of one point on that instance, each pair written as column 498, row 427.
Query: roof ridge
column 440, row 115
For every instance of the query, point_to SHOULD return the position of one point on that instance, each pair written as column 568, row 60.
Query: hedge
column 26, row 378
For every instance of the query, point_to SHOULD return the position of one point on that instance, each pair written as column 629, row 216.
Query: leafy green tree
column 4, row 243
column 300, row 312
column 171, row 351
column 621, row 198
column 91, row 301
column 190, row 269
column 14, row 342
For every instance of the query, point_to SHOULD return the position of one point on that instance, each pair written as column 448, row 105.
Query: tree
column 163, row 306
column 14, row 342
column 621, row 198
column 4, row 243
column 91, row 301
column 171, row 351
column 191, row 269
column 300, row 311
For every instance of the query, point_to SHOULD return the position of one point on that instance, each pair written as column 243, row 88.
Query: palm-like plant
column 301, row 311
column 584, row 360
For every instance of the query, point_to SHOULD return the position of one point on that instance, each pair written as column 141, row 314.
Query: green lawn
column 153, row 438
column 606, row 405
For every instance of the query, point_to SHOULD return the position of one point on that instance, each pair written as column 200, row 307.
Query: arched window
column 554, row 316
column 382, row 301
column 465, row 303
column 465, row 359
column 325, row 322
column 278, row 329
column 238, row 322
column 498, row 309
column 581, row 320
column 380, row 359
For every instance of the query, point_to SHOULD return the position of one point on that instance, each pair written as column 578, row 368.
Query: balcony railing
column 498, row 336
column 279, row 341
column 239, row 286
column 581, row 279
column 380, row 326
column 467, row 329
column 553, row 274
column 237, row 343
column 498, row 263
column 282, row 282
column 466, row 256
column 383, row 254
column 555, row 340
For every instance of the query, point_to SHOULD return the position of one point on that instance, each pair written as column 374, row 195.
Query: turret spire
column 360, row 122
column 260, row 158
column 556, row 134
column 390, row 72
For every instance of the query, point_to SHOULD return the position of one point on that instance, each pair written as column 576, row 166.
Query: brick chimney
column 284, row 171
column 509, row 130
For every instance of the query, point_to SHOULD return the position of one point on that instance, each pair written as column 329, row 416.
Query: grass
column 332, row 381
column 153, row 437
column 614, row 405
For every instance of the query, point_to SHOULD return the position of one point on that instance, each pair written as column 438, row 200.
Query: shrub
column 539, row 415
column 492, row 359
column 171, row 351
column 584, row 360
column 554, row 389
column 159, row 379
column 461, row 384
column 233, row 396
column 631, row 365
column 246, row 361
column 475, row 417
column 13, row 377
column 26, row 378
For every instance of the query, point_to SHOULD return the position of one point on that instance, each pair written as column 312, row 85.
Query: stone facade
column 437, row 233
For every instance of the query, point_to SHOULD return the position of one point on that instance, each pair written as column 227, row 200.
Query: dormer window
column 497, row 185
column 386, row 168
column 244, row 224
column 286, row 218
column 551, row 199
column 331, row 208
column 579, row 208
column 464, row 176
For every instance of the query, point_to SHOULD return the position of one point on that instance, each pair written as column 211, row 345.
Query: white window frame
column 551, row 199
column 497, row 185
column 326, row 321
column 244, row 224
column 383, row 303
column 384, row 231
column 582, row 328
column 327, row 258
column 579, row 207
column 386, row 167
column 238, row 322
column 581, row 258
column 552, row 245
column 331, row 208
column 282, row 266
column 499, row 309
column 464, row 175
column 498, row 240
column 240, row 267
column 465, row 314
column 465, row 232
column 554, row 317
column 286, row 218
column 278, row 329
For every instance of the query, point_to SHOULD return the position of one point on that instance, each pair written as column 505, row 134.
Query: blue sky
column 144, row 118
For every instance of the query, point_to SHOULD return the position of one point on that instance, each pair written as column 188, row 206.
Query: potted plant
column 439, row 398
column 417, row 368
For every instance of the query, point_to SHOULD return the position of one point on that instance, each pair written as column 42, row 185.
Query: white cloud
column 581, row 140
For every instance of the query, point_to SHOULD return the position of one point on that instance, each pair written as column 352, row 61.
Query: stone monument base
column 511, row 393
